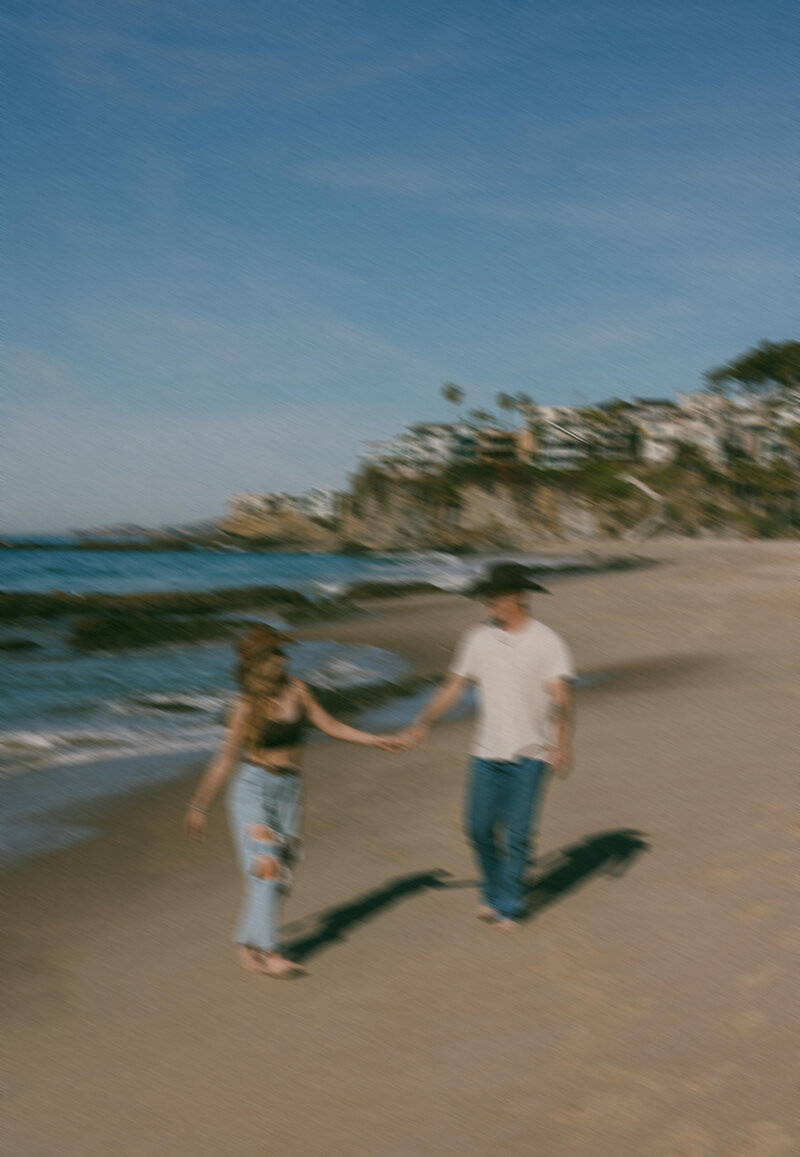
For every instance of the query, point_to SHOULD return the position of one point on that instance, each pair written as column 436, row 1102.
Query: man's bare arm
column 442, row 701
column 560, row 758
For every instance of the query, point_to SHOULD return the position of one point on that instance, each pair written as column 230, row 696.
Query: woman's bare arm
column 338, row 730
column 223, row 763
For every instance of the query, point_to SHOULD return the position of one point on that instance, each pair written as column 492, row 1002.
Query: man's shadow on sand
column 563, row 871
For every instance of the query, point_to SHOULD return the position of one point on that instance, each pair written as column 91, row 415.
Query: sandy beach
column 645, row 1009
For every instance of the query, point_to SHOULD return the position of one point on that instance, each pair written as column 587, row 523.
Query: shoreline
column 642, row 1012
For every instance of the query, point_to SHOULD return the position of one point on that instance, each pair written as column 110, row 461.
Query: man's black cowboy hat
column 504, row 578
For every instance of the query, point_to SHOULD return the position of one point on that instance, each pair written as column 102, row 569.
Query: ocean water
column 117, row 571
column 60, row 708
column 64, row 713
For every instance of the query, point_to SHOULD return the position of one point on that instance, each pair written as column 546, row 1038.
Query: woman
column 263, row 743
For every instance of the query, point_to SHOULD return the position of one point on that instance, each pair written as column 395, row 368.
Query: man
column 523, row 671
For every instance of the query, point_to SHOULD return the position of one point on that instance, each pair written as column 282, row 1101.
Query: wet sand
column 646, row 1009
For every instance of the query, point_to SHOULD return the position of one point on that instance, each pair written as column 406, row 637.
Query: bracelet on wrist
column 196, row 807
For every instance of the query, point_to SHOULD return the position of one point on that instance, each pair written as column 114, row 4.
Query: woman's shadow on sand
column 608, row 853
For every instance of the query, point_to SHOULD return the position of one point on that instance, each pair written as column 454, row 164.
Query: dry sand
column 645, row 1010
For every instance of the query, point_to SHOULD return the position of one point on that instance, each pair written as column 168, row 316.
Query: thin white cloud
column 141, row 70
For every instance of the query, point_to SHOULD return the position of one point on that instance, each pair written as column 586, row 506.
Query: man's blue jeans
column 502, row 804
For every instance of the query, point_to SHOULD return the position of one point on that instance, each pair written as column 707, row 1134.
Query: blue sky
column 245, row 238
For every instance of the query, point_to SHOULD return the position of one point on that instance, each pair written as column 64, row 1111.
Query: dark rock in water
column 353, row 548
column 15, row 606
column 137, row 625
column 117, row 632
column 164, row 544
column 24, row 544
column 19, row 645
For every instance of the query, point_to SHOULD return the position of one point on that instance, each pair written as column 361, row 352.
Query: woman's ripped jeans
column 264, row 811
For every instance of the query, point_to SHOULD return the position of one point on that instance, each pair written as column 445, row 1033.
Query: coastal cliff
column 501, row 517
column 513, row 506
column 523, row 511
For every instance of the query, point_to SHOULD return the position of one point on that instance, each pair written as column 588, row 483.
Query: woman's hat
column 260, row 640
column 503, row 578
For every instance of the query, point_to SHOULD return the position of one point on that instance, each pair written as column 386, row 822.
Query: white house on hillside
column 424, row 446
column 315, row 503
column 562, row 441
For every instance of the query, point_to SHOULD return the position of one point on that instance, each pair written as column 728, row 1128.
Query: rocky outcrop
column 287, row 530
column 501, row 517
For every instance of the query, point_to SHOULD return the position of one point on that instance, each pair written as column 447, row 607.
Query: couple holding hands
column 523, row 671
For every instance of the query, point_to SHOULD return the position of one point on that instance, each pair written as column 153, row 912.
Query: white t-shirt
column 512, row 669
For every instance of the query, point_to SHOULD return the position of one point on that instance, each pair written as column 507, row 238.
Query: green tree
column 615, row 406
column 690, row 457
column 766, row 368
column 768, row 492
column 792, row 435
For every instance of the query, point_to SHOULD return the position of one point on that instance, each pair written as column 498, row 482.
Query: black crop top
column 276, row 733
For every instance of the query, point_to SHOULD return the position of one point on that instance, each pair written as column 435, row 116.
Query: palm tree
column 483, row 417
column 508, row 403
column 453, row 393
column 529, row 411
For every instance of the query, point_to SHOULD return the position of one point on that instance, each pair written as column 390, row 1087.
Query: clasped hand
column 405, row 740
